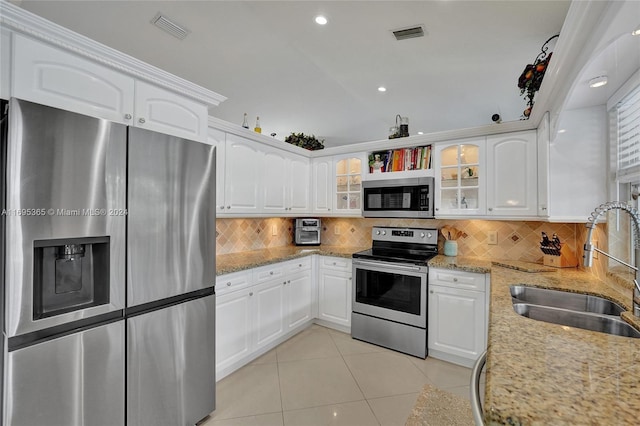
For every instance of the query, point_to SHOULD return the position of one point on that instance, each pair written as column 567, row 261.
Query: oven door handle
column 386, row 265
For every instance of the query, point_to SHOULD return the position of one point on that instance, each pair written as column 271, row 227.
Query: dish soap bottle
column 257, row 129
column 245, row 123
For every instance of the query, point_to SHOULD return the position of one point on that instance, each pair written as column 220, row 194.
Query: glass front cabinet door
column 460, row 178
column 348, row 185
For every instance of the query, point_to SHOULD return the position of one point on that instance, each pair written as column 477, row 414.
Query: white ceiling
column 271, row 59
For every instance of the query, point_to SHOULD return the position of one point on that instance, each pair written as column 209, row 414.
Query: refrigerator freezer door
column 66, row 179
column 171, row 228
column 72, row 380
column 171, row 364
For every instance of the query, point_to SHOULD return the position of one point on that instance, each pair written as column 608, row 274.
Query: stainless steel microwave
column 409, row 197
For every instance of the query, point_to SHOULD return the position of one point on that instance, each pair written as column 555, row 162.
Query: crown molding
column 19, row 20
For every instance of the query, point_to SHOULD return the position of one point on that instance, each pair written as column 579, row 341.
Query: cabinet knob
column 250, row 293
column 431, row 292
column 455, row 280
column 270, row 272
column 228, row 207
column 490, row 209
column 350, row 278
column 221, row 207
column 437, row 209
column 299, row 265
column 288, row 281
column 543, row 208
column 127, row 116
column 141, row 120
column 284, row 283
column 229, row 284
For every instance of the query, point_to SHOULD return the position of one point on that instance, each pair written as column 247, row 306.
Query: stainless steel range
column 390, row 291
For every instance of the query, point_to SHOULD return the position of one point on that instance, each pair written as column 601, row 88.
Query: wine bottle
column 257, row 129
column 245, row 123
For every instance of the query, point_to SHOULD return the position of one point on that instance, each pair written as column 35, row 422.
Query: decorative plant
column 303, row 141
column 531, row 78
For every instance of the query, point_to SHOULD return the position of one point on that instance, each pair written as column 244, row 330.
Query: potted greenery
column 303, row 141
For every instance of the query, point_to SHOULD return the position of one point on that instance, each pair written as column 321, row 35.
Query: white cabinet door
column 268, row 310
column 299, row 184
column 347, row 185
column 460, row 178
column 512, row 187
column 334, row 296
column 166, row 112
column 243, row 175
column 53, row 77
column 299, row 298
column 233, row 327
column 217, row 139
column 274, row 181
column 456, row 321
column 322, row 183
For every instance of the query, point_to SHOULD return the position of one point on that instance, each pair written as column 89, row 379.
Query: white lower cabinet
column 258, row 309
column 233, row 328
column 458, row 314
column 334, row 292
column 269, row 312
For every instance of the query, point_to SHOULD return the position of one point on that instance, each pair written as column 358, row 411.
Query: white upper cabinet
column 274, row 181
column 512, row 174
column 243, row 178
column 217, row 138
column 460, row 178
column 53, row 77
column 347, row 185
column 322, row 184
column 299, row 184
column 166, row 112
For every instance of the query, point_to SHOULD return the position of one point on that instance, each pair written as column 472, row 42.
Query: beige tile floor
column 323, row 377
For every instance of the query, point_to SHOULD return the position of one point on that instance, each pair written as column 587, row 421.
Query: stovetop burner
column 403, row 245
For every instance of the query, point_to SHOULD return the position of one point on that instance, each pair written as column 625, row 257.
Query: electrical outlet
column 336, row 230
column 595, row 244
column 274, row 230
column 493, row 237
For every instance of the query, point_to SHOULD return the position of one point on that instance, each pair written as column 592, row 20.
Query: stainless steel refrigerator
column 109, row 268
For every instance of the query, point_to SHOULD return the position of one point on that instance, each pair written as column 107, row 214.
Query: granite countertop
column 540, row 373
column 233, row 262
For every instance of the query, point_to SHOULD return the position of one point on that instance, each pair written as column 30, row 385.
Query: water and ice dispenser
column 69, row 275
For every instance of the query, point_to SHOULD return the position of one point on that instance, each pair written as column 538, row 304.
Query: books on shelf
column 400, row 159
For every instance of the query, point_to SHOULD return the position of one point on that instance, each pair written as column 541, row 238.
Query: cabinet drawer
column 301, row 264
column 457, row 279
column 232, row 282
column 338, row 263
column 267, row 273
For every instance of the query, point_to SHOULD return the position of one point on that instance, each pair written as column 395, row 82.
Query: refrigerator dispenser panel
column 69, row 275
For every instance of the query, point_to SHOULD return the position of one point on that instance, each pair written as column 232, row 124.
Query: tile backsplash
column 517, row 240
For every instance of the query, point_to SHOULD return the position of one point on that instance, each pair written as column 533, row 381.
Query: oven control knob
column 422, row 235
column 377, row 232
column 384, row 232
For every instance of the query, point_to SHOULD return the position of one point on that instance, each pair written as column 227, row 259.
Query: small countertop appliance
column 307, row 232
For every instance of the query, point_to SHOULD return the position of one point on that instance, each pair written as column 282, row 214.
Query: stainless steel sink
column 584, row 320
column 564, row 299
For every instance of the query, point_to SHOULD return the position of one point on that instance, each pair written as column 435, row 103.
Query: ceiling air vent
column 169, row 26
column 412, row 32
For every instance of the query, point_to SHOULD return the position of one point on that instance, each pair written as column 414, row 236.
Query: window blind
column 627, row 134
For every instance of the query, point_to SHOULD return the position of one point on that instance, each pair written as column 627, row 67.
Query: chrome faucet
column 589, row 248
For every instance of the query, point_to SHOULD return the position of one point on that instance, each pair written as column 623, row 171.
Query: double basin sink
column 571, row 309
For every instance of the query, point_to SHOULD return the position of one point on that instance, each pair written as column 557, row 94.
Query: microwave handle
column 386, row 265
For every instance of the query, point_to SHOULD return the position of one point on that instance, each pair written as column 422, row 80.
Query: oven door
column 392, row 291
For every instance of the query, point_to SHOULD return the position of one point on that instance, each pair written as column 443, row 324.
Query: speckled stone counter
column 467, row 264
column 540, row 373
column 233, row 262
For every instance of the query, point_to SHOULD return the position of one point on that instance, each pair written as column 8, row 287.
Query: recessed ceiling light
column 421, row 133
column 321, row 20
column 636, row 31
column 598, row 81
column 382, row 89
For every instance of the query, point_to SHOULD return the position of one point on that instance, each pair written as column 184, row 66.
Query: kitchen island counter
column 540, row 373
column 233, row 262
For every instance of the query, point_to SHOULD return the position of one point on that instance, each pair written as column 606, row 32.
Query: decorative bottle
column 245, row 123
column 257, row 129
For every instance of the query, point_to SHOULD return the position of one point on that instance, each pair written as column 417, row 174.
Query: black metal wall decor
column 531, row 78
